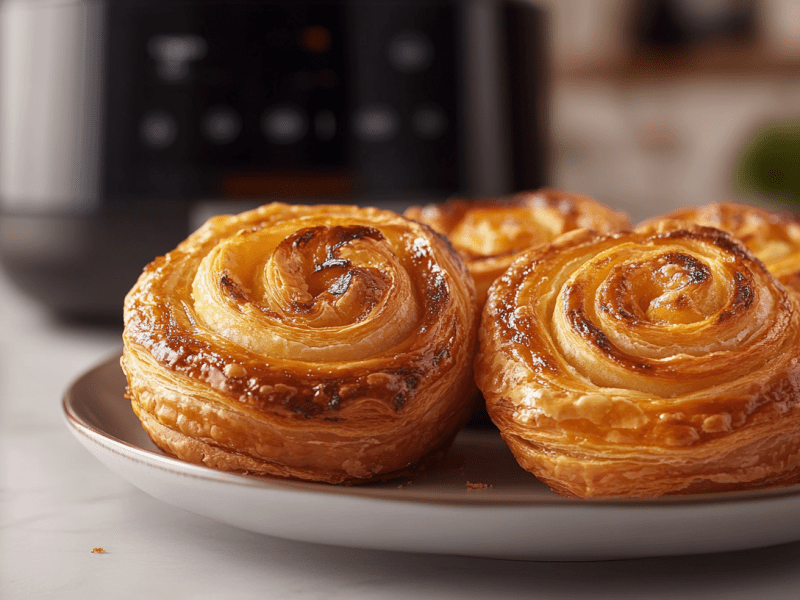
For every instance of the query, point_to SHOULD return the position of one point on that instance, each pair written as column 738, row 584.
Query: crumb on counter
column 477, row 486
column 98, row 550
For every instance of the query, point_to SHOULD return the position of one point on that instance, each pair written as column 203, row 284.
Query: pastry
column 490, row 233
column 660, row 361
column 773, row 237
column 324, row 343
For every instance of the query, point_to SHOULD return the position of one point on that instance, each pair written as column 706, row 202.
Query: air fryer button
column 429, row 121
column 221, row 125
column 174, row 53
column 158, row 129
column 411, row 52
column 284, row 124
column 377, row 123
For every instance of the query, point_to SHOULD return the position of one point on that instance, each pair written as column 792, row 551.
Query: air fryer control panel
column 321, row 100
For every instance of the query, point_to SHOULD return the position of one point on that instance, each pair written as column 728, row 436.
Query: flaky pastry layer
column 660, row 361
column 490, row 233
column 327, row 343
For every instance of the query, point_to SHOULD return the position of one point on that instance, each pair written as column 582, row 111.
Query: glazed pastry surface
column 489, row 234
column 772, row 236
column 660, row 361
column 326, row 343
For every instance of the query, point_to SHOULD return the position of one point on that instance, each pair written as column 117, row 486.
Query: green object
column 769, row 165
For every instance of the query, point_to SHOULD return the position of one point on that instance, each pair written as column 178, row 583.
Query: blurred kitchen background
column 657, row 104
column 125, row 123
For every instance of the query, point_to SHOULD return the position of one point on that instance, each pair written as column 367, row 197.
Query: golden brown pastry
column 660, row 361
column 773, row 237
column 326, row 343
column 489, row 234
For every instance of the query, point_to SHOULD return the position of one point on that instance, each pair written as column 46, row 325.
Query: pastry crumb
column 98, row 550
column 477, row 486
column 234, row 370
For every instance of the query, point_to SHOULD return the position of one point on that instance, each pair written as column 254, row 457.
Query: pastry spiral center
column 671, row 288
column 644, row 312
column 271, row 290
column 312, row 274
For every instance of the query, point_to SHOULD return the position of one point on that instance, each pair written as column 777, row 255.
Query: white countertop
column 57, row 503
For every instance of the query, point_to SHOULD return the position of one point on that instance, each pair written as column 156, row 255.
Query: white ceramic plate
column 439, row 511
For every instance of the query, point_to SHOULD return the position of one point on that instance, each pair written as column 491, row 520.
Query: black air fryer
column 125, row 123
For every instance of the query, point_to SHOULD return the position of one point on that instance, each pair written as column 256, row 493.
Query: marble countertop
column 57, row 503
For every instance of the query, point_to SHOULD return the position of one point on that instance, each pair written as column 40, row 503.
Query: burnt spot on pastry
column 305, row 236
column 697, row 270
column 743, row 296
column 717, row 237
column 437, row 292
column 341, row 235
column 232, row 289
column 624, row 305
column 348, row 233
column 656, row 283
column 308, row 409
column 441, row 355
column 595, row 336
column 324, row 399
column 310, row 402
column 333, row 276
column 724, row 241
column 411, row 381
column 618, row 312
column 331, row 239
column 588, row 330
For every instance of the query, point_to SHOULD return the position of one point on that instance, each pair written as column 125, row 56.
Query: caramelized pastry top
column 774, row 237
column 490, row 233
column 644, row 363
column 322, row 332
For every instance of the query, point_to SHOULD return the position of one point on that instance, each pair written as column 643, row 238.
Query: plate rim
column 79, row 425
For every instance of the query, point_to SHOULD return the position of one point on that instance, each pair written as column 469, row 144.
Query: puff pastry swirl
column 326, row 343
column 489, row 234
column 772, row 236
column 660, row 361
